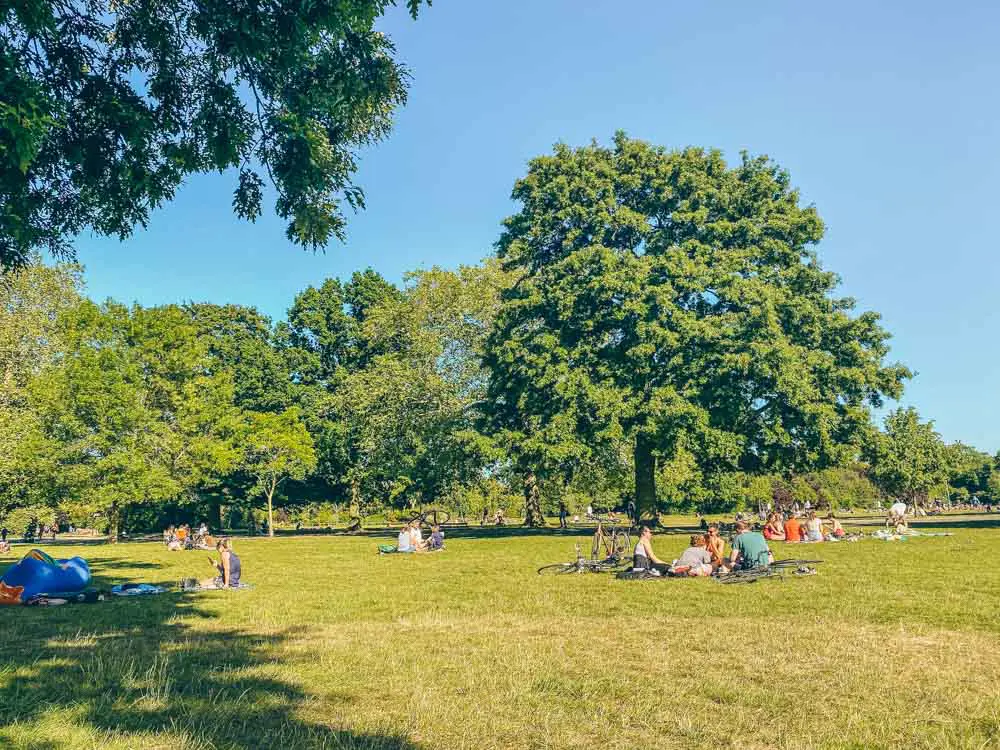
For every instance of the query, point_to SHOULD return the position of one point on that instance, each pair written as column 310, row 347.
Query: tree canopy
column 656, row 323
column 108, row 105
column 666, row 299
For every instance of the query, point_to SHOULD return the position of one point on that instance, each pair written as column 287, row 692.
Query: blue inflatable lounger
column 39, row 574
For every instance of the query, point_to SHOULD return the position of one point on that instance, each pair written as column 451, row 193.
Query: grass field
column 892, row 645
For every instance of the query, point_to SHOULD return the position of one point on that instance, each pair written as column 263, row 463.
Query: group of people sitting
column 411, row 538
column 181, row 537
column 802, row 527
column 706, row 553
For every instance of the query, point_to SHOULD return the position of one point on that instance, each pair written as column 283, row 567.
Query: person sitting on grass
column 643, row 557
column 793, row 529
column 836, row 530
column 750, row 549
column 814, row 528
column 404, row 540
column 773, row 529
column 715, row 545
column 696, row 560
column 228, row 567
column 437, row 539
column 417, row 537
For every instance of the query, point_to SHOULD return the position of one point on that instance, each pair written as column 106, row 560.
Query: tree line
column 655, row 324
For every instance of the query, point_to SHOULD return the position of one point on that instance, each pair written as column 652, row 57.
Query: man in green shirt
column 749, row 548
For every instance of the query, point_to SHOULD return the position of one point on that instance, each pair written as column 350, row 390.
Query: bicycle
column 581, row 565
column 776, row 569
column 614, row 543
column 431, row 517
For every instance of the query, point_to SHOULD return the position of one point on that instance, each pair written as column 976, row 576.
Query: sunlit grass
column 891, row 645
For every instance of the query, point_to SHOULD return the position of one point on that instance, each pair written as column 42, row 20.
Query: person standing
column 563, row 512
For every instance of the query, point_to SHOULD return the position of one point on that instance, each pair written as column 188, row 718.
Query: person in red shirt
column 793, row 531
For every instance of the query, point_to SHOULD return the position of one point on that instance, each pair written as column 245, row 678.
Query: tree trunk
column 532, row 503
column 114, row 523
column 270, row 512
column 645, row 479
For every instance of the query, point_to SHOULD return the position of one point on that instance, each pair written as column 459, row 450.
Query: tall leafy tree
column 131, row 414
column 402, row 417
column 968, row 470
column 278, row 448
column 668, row 300
column 32, row 300
column 908, row 459
column 242, row 341
column 107, row 106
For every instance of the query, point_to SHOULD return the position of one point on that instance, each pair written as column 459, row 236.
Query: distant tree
column 240, row 340
column 129, row 414
column 908, row 458
column 107, row 106
column 664, row 299
column 278, row 448
column 400, row 420
column 968, row 470
column 32, row 300
column 994, row 487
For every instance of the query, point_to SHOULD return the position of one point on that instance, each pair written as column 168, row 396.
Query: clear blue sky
column 886, row 115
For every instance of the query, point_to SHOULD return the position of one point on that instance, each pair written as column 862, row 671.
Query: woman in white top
column 643, row 557
column 814, row 528
column 403, row 542
column 417, row 537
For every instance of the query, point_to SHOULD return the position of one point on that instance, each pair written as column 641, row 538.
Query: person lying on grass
column 715, row 545
column 750, row 549
column 643, row 557
column 228, row 567
column 696, row 560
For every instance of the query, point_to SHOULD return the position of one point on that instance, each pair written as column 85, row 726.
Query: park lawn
column 893, row 644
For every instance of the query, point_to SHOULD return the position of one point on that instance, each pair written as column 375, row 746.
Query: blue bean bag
column 37, row 573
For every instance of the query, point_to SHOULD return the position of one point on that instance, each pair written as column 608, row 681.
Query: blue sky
column 885, row 114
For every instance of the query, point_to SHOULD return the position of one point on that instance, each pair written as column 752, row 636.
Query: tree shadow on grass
column 137, row 673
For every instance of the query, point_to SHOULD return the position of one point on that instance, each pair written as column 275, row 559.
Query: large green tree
column 669, row 300
column 32, row 301
column 106, row 106
column 131, row 413
column 402, row 416
column 908, row 459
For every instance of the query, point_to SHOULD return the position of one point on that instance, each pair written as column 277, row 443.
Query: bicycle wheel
column 621, row 545
column 436, row 517
column 596, row 547
column 792, row 563
column 558, row 569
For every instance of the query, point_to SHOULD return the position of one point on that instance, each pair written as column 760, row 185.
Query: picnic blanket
column 136, row 589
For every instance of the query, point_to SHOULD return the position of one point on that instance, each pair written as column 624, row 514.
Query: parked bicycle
column 612, row 542
column 582, row 565
column 777, row 569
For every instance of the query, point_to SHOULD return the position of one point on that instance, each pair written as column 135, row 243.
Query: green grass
column 891, row 645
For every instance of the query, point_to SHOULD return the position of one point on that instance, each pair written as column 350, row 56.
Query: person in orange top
column 793, row 530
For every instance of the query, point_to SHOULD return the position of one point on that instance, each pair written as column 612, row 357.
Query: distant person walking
column 563, row 512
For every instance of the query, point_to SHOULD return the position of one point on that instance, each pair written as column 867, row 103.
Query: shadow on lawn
column 138, row 668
